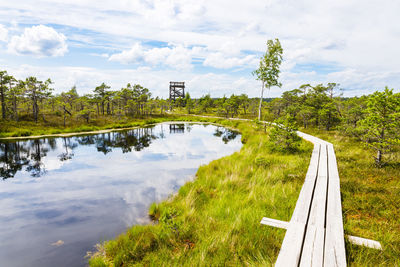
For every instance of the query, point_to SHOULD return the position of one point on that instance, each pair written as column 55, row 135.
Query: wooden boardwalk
column 314, row 235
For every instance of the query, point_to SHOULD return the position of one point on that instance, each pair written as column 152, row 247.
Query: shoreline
column 107, row 130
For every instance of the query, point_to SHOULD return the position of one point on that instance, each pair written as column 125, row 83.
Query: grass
column 54, row 125
column 215, row 219
column 370, row 200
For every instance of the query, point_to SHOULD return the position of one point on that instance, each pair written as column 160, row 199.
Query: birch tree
column 268, row 70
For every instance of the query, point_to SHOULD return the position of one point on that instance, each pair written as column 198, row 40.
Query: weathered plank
column 314, row 242
column 303, row 204
column 290, row 252
column 335, row 253
column 275, row 223
column 312, row 253
column 364, row 242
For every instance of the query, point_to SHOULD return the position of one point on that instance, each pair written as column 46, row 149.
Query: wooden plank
column 364, row 242
column 335, row 253
column 303, row 204
column 312, row 253
column 314, row 242
column 275, row 223
column 291, row 248
column 290, row 252
column 317, row 213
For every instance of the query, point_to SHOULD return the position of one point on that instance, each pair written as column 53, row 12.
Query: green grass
column 370, row 200
column 215, row 219
column 54, row 125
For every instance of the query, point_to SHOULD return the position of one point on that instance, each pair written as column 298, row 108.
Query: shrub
column 283, row 135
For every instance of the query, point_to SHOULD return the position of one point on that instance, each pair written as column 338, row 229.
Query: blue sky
column 211, row 45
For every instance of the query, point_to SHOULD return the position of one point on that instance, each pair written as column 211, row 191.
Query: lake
column 59, row 197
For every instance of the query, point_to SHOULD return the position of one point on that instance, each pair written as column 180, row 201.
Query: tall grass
column 215, row 219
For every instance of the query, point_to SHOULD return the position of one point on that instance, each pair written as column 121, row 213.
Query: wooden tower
column 176, row 90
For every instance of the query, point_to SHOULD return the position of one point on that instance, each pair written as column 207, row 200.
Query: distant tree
column 70, row 97
column 141, row 96
column 353, row 111
column 36, row 91
column 179, row 102
column 205, row 103
column 268, row 70
column 283, row 135
column 15, row 94
column 244, row 103
column 381, row 124
column 4, row 79
column 189, row 103
column 101, row 93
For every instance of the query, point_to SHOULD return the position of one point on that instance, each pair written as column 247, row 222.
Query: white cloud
column 132, row 55
column 39, row 41
column 220, row 61
column 177, row 57
column 315, row 33
column 3, row 33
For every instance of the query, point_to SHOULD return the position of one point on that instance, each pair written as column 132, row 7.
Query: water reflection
column 16, row 155
column 92, row 187
column 177, row 128
column 226, row 134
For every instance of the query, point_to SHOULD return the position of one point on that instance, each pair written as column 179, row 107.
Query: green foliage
column 97, row 262
column 205, row 103
column 381, row 124
column 155, row 211
column 268, row 70
column 283, row 135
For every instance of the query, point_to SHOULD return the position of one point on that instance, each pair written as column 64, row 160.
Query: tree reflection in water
column 29, row 154
column 226, row 134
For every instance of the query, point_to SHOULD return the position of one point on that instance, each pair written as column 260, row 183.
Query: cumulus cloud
column 40, row 41
column 312, row 33
column 220, row 61
column 133, row 55
column 177, row 57
column 3, row 33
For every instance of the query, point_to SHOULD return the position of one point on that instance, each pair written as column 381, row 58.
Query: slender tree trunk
column 15, row 108
column 379, row 157
column 379, row 153
column 64, row 115
column 261, row 99
column 35, row 109
column 3, row 103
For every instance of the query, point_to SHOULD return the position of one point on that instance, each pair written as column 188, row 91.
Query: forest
column 373, row 119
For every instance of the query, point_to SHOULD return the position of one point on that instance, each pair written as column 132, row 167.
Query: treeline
column 32, row 99
column 373, row 119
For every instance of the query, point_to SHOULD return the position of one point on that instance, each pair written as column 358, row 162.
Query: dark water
column 61, row 196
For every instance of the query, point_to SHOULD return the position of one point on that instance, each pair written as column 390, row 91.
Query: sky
column 211, row 45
